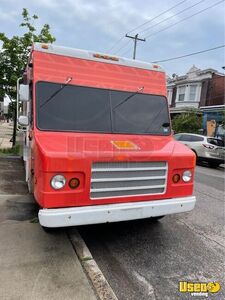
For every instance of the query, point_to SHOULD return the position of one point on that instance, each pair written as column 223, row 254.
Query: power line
column 178, row 13
column 187, row 8
column 197, row 13
column 117, row 42
column 156, row 32
column 125, row 52
column 164, row 12
column 122, row 37
column 190, row 54
column 122, row 47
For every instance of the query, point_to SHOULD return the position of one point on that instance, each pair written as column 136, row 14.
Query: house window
column 192, row 95
column 181, row 93
column 169, row 95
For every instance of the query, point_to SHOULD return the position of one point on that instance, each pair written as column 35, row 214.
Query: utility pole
column 135, row 38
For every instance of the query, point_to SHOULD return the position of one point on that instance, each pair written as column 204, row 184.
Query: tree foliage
column 187, row 122
column 11, row 108
column 15, row 51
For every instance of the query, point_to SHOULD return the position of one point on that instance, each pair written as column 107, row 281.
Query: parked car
column 206, row 149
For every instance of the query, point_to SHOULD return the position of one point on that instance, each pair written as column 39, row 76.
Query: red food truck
column 98, row 145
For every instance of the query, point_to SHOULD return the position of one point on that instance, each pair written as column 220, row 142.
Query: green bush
column 187, row 122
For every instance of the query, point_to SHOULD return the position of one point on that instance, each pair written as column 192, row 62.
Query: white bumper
column 63, row 217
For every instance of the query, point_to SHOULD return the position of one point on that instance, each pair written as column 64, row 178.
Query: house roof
column 193, row 75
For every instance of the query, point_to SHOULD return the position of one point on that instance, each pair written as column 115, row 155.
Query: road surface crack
column 210, row 195
column 201, row 234
column 146, row 284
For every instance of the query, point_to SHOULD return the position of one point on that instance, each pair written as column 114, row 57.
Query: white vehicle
column 207, row 149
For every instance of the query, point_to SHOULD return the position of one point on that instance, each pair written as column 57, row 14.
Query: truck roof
column 95, row 56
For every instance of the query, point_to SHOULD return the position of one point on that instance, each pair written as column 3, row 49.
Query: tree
column 187, row 122
column 14, row 55
column 11, row 108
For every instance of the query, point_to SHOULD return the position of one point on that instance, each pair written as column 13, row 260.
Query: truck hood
column 80, row 144
column 60, row 148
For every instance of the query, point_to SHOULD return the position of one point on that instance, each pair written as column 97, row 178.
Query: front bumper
column 211, row 156
column 63, row 217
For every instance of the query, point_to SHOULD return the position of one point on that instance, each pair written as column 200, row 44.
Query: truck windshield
column 87, row 109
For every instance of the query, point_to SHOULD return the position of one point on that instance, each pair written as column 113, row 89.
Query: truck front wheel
column 51, row 230
column 157, row 218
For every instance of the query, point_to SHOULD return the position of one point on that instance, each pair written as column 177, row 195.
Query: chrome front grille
column 120, row 179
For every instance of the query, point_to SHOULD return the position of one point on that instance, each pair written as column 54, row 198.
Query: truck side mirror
column 23, row 121
column 24, row 92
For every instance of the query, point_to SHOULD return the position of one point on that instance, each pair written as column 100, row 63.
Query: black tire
column 196, row 155
column 157, row 218
column 214, row 164
column 49, row 230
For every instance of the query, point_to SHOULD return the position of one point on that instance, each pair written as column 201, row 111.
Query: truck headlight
column 187, row 176
column 58, row 182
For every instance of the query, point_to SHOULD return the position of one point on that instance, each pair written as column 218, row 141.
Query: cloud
column 7, row 16
column 98, row 24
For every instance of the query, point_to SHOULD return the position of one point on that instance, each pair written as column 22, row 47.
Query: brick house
column 203, row 90
column 195, row 89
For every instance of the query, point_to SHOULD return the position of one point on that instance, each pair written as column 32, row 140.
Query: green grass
column 10, row 151
column 34, row 220
column 83, row 259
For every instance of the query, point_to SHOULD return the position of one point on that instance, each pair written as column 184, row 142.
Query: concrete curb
column 99, row 282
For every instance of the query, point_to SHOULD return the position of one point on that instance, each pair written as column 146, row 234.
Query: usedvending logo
column 202, row 289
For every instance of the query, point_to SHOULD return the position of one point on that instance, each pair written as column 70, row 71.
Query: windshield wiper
column 140, row 89
column 164, row 124
column 57, row 91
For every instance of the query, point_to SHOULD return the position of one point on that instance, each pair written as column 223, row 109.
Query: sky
column 101, row 25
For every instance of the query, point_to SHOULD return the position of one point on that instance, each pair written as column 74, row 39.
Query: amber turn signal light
column 44, row 46
column 176, row 178
column 74, row 183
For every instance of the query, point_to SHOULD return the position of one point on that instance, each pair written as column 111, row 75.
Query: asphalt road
column 146, row 260
column 140, row 259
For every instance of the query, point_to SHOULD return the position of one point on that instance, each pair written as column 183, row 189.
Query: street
column 100, row 134
column 140, row 259
column 34, row 264
column 146, row 260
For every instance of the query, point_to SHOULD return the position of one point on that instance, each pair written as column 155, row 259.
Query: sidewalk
column 6, row 130
column 34, row 264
